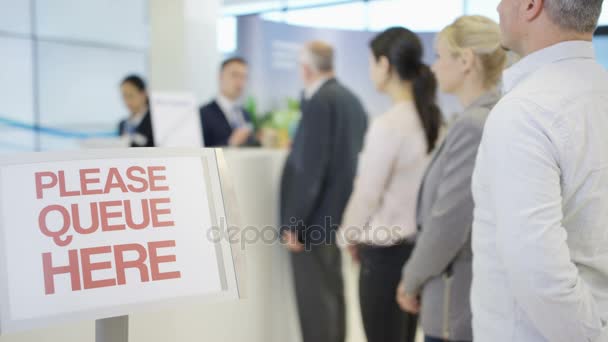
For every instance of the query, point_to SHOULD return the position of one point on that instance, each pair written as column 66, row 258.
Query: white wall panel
column 16, row 98
column 79, row 85
column 15, row 16
column 105, row 21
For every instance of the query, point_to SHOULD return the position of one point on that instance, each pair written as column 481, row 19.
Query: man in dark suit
column 225, row 122
column 316, row 185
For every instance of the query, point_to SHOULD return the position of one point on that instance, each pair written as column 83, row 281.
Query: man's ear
column 532, row 8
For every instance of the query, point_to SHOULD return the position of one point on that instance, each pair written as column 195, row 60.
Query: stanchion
column 115, row 329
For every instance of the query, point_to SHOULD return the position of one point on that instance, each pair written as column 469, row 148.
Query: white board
column 175, row 120
column 106, row 233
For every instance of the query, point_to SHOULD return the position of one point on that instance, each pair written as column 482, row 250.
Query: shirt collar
column 226, row 105
column 136, row 119
column 309, row 92
column 555, row 53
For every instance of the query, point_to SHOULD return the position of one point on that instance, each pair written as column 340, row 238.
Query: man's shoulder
column 209, row 109
column 335, row 92
column 211, row 105
column 553, row 92
column 330, row 90
column 508, row 117
column 557, row 86
column 340, row 89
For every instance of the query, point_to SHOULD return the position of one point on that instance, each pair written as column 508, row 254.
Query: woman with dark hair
column 138, row 127
column 379, row 224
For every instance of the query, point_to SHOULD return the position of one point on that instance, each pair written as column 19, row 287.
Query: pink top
column 382, row 208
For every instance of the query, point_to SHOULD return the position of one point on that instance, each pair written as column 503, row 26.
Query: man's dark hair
column 231, row 60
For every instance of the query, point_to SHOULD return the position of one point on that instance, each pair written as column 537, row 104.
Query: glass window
column 278, row 16
column 305, row 3
column 13, row 140
column 227, row 34
column 79, row 85
column 16, row 79
column 604, row 16
column 350, row 16
column 116, row 22
column 601, row 49
column 241, row 7
column 420, row 16
column 15, row 16
column 17, row 95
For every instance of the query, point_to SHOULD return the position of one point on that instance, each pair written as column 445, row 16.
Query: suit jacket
column 441, row 264
column 216, row 128
column 318, row 175
column 144, row 130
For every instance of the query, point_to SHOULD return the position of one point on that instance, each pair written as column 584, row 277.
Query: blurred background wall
column 61, row 61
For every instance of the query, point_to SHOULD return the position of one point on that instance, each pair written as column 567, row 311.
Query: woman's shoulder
column 470, row 122
column 477, row 114
column 401, row 118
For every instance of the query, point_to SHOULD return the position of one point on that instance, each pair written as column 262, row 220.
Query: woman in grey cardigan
column 469, row 65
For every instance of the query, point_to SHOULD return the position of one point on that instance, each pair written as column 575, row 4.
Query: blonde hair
column 319, row 55
column 482, row 36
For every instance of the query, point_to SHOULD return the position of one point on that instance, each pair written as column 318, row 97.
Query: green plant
column 281, row 119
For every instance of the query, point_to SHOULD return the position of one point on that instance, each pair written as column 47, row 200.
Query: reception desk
column 267, row 314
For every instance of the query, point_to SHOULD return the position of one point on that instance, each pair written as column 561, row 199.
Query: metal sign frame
column 112, row 322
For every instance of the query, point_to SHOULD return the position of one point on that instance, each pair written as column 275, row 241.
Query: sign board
column 175, row 120
column 105, row 233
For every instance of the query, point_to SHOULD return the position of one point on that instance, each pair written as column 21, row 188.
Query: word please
column 135, row 179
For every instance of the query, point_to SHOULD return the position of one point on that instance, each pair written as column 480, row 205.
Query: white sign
column 99, row 236
column 175, row 120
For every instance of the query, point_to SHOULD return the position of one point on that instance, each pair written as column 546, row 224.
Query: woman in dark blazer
column 469, row 65
column 138, row 127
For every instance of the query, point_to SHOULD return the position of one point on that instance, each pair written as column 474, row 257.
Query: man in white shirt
column 225, row 121
column 540, row 234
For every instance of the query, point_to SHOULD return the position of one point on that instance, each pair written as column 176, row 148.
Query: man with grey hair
column 540, row 232
column 316, row 185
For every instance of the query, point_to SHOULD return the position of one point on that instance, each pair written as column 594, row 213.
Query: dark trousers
column 435, row 339
column 320, row 293
column 380, row 274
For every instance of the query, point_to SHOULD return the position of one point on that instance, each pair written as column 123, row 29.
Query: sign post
column 102, row 234
column 115, row 329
